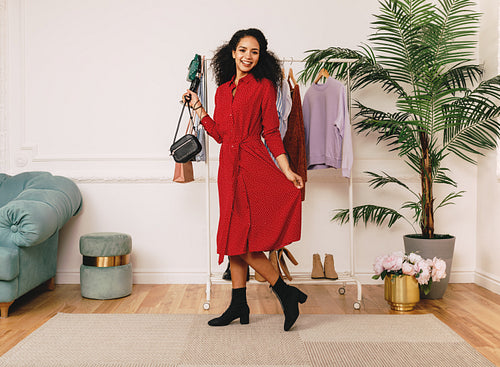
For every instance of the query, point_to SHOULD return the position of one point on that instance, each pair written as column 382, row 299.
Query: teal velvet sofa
column 34, row 206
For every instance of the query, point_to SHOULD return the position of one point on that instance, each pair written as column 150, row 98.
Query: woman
column 260, row 205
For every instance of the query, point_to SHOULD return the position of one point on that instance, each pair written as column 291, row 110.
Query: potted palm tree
column 422, row 52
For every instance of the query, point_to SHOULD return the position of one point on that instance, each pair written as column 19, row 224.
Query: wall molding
column 130, row 179
column 488, row 281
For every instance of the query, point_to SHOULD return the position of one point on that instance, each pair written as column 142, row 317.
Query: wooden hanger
column 290, row 76
column 322, row 73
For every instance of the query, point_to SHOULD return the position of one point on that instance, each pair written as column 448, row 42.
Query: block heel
column 302, row 297
column 289, row 297
column 245, row 319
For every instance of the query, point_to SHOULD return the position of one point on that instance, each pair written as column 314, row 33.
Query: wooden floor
column 470, row 310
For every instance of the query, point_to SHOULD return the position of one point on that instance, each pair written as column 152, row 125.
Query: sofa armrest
column 9, row 263
column 26, row 223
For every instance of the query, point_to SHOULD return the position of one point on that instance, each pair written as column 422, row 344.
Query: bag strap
column 186, row 103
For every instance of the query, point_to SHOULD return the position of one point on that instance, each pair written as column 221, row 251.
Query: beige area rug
column 186, row 340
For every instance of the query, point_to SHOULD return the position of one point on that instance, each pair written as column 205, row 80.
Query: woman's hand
column 194, row 103
column 290, row 175
column 295, row 179
column 192, row 97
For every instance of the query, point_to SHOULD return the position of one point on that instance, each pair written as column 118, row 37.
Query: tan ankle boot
column 274, row 259
column 317, row 270
column 330, row 272
column 290, row 256
column 259, row 277
column 283, row 266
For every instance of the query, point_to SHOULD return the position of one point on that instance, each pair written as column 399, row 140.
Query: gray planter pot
column 428, row 248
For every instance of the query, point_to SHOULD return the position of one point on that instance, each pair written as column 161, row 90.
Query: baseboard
column 489, row 281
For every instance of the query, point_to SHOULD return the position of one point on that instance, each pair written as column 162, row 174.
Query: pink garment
column 327, row 127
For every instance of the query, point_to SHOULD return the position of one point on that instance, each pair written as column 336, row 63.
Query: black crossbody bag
column 188, row 146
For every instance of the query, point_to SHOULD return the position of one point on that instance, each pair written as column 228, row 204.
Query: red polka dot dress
column 260, row 209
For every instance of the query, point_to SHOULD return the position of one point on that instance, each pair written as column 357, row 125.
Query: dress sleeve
column 211, row 128
column 210, row 125
column 270, row 121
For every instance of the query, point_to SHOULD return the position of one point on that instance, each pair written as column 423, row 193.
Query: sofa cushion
column 11, row 186
column 9, row 263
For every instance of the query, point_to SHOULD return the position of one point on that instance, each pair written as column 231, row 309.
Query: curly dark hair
column 268, row 65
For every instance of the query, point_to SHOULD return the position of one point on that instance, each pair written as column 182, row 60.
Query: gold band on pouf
column 106, row 261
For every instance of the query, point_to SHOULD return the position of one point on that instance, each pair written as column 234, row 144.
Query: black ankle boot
column 227, row 273
column 237, row 309
column 290, row 297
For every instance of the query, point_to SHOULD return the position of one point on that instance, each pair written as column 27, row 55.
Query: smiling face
column 246, row 55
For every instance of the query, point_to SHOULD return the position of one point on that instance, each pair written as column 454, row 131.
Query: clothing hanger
column 322, row 73
column 290, row 76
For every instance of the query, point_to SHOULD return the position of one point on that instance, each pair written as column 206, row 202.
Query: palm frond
column 363, row 72
column 398, row 38
column 441, row 178
column 318, row 59
column 416, row 207
column 397, row 130
column 472, row 125
column 381, row 180
column 448, row 199
column 451, row 35
column 368, row 214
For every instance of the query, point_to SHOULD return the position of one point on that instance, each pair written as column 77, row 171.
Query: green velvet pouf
column 106, row 272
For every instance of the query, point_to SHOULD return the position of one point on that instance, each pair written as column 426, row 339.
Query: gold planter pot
column 401, row 292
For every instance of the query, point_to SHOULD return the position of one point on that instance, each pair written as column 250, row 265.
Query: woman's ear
column 234, row 54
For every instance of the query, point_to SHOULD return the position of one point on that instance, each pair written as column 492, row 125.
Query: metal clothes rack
column 344, row 278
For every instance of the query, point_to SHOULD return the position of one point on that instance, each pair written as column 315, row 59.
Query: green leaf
column 368, row 214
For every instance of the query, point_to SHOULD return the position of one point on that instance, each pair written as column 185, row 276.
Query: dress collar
column 246, row 79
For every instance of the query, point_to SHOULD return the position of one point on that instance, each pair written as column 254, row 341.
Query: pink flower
column 378, row 266
column 438, row 269
column 424, row 271
column 414, row 258
column 393, row 262
column 408, row 269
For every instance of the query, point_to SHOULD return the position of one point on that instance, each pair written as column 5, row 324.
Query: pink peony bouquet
column 425, row 271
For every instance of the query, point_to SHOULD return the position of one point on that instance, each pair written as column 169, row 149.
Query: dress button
column 13, row 228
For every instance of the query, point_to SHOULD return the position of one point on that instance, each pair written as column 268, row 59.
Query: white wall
column 92, row 94
column 488, row 233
